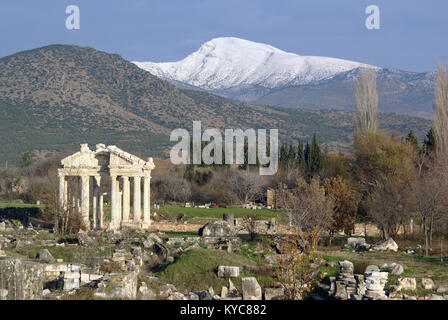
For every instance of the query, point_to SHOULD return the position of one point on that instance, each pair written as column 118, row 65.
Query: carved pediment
column 104, row 158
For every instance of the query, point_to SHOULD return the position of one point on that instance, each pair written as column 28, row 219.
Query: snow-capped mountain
column 224, row 63
column 258, row 73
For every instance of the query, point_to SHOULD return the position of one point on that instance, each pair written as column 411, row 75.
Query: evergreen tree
column 412, row 139
column 291, row 152
column 26, row 160
column 316, row 156
column 313, row 159
column 284, row 153
column 300, row 155
column 429, row 143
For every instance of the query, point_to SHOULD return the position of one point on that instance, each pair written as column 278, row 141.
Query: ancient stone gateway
column 80, row 179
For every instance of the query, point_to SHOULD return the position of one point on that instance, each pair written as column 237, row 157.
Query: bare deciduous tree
column 389, row 205
column 308, row 208
column 171, row 187
column 429, row 191
column 366, row 100
column 246, row 185
column 250, row 225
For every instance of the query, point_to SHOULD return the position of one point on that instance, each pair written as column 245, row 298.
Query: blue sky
column 413, row 34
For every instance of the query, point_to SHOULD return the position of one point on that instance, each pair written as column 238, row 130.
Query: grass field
column 174, row 211
column 197, row 269
column 11, row 204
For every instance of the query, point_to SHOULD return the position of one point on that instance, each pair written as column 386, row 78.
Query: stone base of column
column 146, row 224
column 130, row 224
column 114, row 225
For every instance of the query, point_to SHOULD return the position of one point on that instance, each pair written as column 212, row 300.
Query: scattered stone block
column 176, row 296
column 407, row 283
column 205, row 295
column 386, row 245
column 85, row 240
column 442, row 288
column 71, row 284
column 233, row 291
column 355, row 243
column 346, row 266
column 251, row 289
column 228, row 272
column 224, row 292
column 45, row 256
column 427, row 284
column 273, row 293
column 372, row 268
column 219, row 228
column 397, row 269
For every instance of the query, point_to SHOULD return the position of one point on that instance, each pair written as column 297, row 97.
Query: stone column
column 114, row 222
column 95, row 199
column 75, row 193
column 146, row 200
column 100, row 210
column 126, row 198
column 62, row 195
column 120, row 204
column 137, row 198
column 85, row 205
column 119, row 200
column 65, row 194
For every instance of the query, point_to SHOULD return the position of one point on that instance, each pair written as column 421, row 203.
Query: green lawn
column 12, row 204
column 174, row 211
column 196, row 269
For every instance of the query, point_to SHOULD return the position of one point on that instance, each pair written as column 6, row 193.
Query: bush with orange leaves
column 296, row 269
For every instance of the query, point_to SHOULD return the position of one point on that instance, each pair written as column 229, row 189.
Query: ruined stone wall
column 24, row 280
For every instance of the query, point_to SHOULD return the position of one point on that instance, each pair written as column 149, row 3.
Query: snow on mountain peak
column 227, row 62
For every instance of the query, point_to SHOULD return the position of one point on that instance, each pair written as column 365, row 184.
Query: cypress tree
column 284, row 152
column 412, row 139
column 291, row 152
column 300, row 155
column 429, row 143
column 316, row 156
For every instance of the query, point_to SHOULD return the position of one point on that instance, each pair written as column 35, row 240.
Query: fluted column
column 100, row 211
column 85, row 205
column 146, row 199
column 137, row 199
column 95, row 200
column 75, row 193
column 119, row 200
column 62, row 195
column 65, row 194
column 113, row 203
column 126, row 198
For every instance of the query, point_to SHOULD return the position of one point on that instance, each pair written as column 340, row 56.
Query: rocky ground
column 217, row 263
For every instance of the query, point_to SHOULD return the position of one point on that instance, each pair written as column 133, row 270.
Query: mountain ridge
column 227, row 62
column 55, row 97
column 245, row 71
